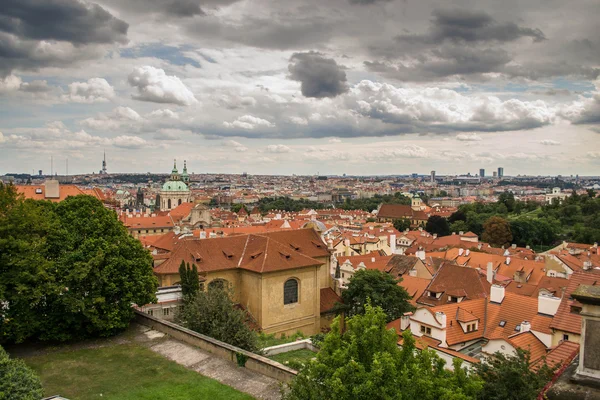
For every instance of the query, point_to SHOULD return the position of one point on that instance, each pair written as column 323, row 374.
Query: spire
column 184, row 166
column 174, row 172
column 184, row 176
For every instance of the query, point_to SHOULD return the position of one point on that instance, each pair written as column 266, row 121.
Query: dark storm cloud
column 64, row 20
column 461, row 25
column 367, row 2
column 32, row 55
column 36, row 34
column 319, row 76
column 171, row 8
column 277, row 32
column 445, row 61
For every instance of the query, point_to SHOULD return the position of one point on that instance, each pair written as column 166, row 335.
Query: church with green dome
column 175, row 191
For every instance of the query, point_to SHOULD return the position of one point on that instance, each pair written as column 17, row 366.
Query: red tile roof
column 328, row 299
column 564, row 319
column 528, row 341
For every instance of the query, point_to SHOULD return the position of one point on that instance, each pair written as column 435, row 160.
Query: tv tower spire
column 103, row 171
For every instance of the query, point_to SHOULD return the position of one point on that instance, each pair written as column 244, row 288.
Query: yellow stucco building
column 278, row 277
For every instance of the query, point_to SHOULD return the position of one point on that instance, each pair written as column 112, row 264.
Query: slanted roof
column 400, row 265
column 456, row 281
column 328, row 299
column 564, row 319
column 257, row 253
column 528, row 341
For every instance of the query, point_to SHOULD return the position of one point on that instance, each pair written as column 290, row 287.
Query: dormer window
column 575, row 310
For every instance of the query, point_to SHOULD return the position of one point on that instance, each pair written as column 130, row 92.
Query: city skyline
column 361, row 87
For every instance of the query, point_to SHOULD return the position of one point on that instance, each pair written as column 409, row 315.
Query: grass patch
column 265, row 340
column 124, row 372
column 294, row 358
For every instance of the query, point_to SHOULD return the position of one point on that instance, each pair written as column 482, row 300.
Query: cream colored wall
column 495, row 345
column 324, row 274
column 557, row 337
column 303, row 316
column 250, row 288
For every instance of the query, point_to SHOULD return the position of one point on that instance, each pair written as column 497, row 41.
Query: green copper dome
column 174, row 186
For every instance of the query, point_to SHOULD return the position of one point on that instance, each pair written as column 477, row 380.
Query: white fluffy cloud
column 92, row 91
column 154, row 85
column 129, row 142
column 278, row 148
column 237, row 146
column 335, row 140
column 118, row 117
column 468, row 137
column 549, row 142
column 248, row 122
column 10, row 83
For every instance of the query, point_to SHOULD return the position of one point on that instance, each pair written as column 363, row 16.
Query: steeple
column 184, row 176
column 174, row 172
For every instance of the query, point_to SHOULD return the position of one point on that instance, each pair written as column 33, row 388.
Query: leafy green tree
column 212, row 313
column 402, row 224
column 68, row 270
column 459, row 226
column 510, row 377
column 17, row 380
column 437, row 224
column 458, row 215
column 381, row 289
column 365, row 363
column 508, row 200
column 496, row 231
column 190, row 284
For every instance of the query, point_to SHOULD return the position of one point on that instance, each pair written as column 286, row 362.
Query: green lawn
column 293, row 357
column 265, row 340
column 124, row 372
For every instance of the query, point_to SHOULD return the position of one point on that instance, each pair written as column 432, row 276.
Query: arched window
column 218, row 284
column 169, row 204
column 290, row 291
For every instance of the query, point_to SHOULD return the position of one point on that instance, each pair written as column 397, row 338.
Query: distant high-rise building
column 500, row 172
column 481, row 172
column 40, row 172
column 432, row 176
column 495, row 174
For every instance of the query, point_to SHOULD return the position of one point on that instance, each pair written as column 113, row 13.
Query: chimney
column 525, row 326
column 435, row 235
column 479, row 246
column 460, row 252
column 595, row 245
column 330, row 244
column 513, row 246
column 52, row 189
column 497, row 294
column 467, row 252
column 528, row 247
column 393, row 244
column 420, row 254
column 405, row 321
column 587, row 265
column 490, row 272
column 507, row 260
column 202, row 235
column 177, row 230
column 548, row 304
column 441, row 317
column 420, row 229
column 372, row 259
column 460, row 233
column 453, row 233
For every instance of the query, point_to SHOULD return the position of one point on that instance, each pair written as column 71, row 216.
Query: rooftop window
column 503, row 323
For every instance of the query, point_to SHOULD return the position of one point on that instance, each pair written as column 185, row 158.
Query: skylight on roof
column 518, row 328
column 502, row 323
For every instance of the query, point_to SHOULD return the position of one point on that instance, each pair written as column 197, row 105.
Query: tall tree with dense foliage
column 402, row 224
column 380, row 289
column 68, row 270
column 496, row 231
column 190, row 285
column 510, row 377
column 365, row 363
column 438, row 225
column 17, row 380
column 212, row 313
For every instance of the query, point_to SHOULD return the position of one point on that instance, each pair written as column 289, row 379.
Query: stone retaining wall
column 223, row 350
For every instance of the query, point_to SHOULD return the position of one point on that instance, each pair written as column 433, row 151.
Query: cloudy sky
column 337, row 86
